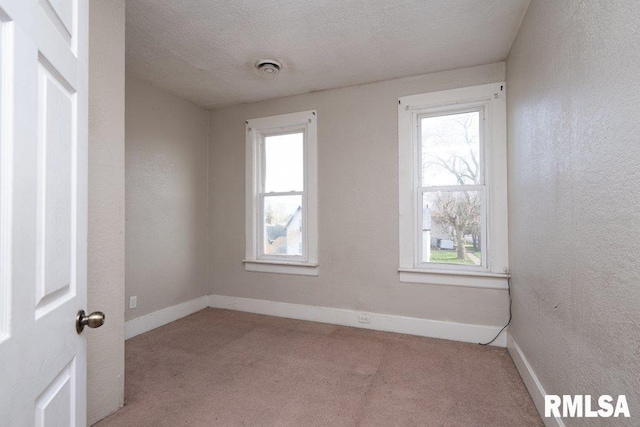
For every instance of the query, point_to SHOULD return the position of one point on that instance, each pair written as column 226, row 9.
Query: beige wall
column 105, row 376
column 166, row 192
column 358, row 206
column 574, row 151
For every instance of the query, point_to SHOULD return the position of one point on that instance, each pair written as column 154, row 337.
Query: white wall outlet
column 364, row 318
column 133, row 302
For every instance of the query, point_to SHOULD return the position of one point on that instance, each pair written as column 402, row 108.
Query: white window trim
column 494, row 275
column 307, row 264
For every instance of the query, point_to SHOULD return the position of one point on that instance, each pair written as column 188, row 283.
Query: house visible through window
column 452, row 177
column 281, row 194
column 452, row 188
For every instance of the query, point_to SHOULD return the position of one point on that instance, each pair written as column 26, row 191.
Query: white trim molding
column 378, row 321
column 337, row 316
column 298, row 268
column 531, row 381
column 305, row 122
column 159, row 318
column 490, row 101
column 471, row 279
column 6, row 174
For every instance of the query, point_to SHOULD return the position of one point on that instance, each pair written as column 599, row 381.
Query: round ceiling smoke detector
column 268, row 66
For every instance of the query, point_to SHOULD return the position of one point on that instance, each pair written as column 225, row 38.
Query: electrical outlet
column 133, row 302
column 364, row 318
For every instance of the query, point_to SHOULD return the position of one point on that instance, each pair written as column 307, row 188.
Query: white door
column 43, row 211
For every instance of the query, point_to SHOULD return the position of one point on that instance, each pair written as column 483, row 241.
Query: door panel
column 56, row 155
column 56, row 405
column 62, row 14
column 43, row 209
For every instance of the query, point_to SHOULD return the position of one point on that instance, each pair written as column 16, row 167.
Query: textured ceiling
column 205, row 50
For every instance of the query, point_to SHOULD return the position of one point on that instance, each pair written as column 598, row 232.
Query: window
column 452, row 176
column 281, row 195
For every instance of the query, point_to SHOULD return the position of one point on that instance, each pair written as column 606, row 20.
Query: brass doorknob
column 94, row 320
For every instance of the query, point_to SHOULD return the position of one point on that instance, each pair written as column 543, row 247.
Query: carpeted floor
column 228, row 368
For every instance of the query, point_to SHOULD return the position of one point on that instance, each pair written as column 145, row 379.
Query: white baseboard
column 337, row 316
column 380, row 322
column 531, row 381
column 159, row 318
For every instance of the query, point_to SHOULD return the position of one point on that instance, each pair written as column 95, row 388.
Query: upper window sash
column 261, row 141
column 475, row 107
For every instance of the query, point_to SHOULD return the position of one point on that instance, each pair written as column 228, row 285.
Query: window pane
column 451, row 227
column 451, row 149
column 284, row 162
column 283, row 225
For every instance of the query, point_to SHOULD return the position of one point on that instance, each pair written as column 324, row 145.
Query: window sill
column 281, row 267
column 469, row 279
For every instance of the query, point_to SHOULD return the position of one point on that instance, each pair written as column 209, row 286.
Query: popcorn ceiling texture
column 205, row 51
column 573, row 113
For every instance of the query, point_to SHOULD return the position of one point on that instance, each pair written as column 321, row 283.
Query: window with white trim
column 453, row 187
column 281, row 194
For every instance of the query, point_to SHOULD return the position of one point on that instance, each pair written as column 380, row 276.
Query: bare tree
column 458, row 211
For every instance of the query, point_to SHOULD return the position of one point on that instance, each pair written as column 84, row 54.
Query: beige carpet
column 228, row 368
